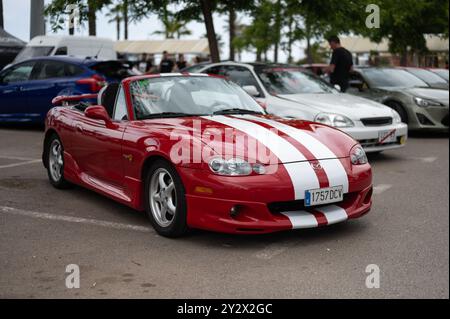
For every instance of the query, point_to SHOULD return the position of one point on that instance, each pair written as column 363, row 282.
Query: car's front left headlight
column 234, row 167
column 425, row 102
column 335, row 120
column 396, row 117
column 358, row 155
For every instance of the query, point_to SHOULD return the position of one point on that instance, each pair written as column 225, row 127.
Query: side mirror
column 251, row 90
column 338, row 87
column 97, row 112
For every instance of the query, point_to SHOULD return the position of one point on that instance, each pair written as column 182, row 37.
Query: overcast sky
column 17, row 22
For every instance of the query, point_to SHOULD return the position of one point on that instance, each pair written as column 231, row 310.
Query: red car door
column 98, row 150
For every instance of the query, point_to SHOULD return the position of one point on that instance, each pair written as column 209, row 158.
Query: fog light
column 234, row 211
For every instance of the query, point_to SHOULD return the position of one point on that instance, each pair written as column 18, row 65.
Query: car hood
column 345, row 104
column 239, row 134
column 432, row 94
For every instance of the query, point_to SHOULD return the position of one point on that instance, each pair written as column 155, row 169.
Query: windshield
column 392, row 78
column 427, row 76
column 292, row 81
column 31, row 52
column 442, row 73
column 190, row 95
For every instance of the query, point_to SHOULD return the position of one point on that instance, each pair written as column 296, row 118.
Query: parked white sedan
column 295, row 93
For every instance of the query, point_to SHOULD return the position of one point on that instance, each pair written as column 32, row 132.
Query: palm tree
column 115, row 15
column 125, row 9
column 174, row 27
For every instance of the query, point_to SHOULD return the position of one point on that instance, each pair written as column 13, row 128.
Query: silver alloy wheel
column 55, row 160
column 163, row 197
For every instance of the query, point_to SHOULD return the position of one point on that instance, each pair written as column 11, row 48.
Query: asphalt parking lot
column 42, row 230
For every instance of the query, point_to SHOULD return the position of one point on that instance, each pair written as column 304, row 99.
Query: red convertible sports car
column 195, row 151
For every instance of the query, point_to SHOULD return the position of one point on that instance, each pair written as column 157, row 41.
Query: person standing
column 166, row 65
column 341, row 64
column 181, row 63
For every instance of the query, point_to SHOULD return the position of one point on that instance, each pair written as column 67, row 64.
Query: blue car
column 27, row 88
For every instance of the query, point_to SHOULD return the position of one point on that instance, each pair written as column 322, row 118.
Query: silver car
column 292, row 92
column 420, row 106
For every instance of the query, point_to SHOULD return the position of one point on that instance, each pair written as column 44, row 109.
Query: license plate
column 322, row 196
column 386, row 137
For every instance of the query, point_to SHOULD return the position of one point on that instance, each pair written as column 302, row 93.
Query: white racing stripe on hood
column 333, row 168
column 300, row 171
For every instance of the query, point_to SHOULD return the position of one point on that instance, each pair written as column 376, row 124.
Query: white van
column 78, row 46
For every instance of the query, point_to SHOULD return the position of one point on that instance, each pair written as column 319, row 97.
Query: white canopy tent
column 172, row 46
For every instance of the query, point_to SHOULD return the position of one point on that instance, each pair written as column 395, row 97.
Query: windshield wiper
column 168, row 115
column 235, row 111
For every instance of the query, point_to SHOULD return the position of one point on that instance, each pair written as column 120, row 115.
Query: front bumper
column 434, row 118
column 265, row 206
column 368, row 136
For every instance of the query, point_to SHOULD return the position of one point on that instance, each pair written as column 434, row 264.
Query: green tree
column 174, row 26
column 231, row 8
column 58, row 13
column 406, row 22
column 115, row 16
column 315, row 54
column 259, row 34
column 200, row 10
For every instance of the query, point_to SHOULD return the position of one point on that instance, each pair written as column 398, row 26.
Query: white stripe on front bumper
column 334, row 214
column 302, row 219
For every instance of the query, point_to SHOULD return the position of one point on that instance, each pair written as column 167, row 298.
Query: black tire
column 400, row 110
column 61, row 182
column 178, row 224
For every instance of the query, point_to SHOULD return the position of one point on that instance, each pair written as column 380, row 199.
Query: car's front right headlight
column 335, row 120
column 426, row 102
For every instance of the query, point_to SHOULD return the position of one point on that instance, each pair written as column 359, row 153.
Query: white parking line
column 20, row 163
column 70, row 219
column 379, row 189
column 19, row 158
column 430, row 159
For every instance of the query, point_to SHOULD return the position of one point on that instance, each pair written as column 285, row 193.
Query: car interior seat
column 107, row 97
column 181, row 98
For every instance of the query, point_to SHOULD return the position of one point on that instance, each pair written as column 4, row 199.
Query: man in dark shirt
column 341, row 64
column 166, row 65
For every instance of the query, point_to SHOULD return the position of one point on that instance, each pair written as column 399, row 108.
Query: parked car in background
column 443, row 73
column 420, row 106
column 293, row 92
column 77, row 46
column 27, row 88
column 430, row 78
